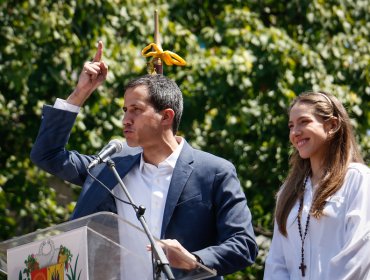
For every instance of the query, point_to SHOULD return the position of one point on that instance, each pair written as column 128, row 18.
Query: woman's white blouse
column 337, row 246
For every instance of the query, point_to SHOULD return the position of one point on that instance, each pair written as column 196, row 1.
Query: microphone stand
column 162, row 261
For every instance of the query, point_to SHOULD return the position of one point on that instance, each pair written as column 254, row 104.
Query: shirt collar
column 172, row 158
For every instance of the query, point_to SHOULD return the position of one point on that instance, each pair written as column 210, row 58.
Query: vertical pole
column 158, row 66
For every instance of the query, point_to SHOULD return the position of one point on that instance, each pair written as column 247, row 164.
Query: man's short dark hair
column 163, row 94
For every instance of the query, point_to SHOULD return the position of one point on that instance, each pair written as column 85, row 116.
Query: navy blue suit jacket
column 206, row 210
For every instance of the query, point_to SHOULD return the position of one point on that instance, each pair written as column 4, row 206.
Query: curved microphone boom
column 114, row 146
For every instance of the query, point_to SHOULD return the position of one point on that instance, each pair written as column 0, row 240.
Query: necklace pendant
column 303, row 267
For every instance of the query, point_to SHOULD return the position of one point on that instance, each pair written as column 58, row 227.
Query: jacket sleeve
column 235, row 246
column 48, row 151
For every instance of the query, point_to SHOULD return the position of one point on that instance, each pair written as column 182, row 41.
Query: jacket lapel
column 180, row 176
column 94, row 193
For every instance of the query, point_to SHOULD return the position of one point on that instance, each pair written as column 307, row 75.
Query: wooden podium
column 95, row 247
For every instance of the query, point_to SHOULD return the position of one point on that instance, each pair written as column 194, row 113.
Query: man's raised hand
column 93, row 75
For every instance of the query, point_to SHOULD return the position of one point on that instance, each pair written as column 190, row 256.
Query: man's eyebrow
column 132, row 106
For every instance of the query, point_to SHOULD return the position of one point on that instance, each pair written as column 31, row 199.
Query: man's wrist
column 199, row 260
column 77, row 97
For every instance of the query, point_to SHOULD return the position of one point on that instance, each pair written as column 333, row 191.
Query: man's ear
column 168, row 116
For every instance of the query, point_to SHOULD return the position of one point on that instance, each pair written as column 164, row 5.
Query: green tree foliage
column 246, row 61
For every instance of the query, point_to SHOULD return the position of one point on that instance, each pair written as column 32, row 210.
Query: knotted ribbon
column 170, row 58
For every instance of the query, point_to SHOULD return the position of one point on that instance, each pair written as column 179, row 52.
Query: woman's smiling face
column 308, row 132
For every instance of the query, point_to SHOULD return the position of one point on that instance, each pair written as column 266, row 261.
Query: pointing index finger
column 99, row 52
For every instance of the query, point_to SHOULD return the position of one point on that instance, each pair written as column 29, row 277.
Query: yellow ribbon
column 170, row 58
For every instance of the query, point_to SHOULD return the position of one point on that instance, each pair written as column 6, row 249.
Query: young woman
column 322, row 216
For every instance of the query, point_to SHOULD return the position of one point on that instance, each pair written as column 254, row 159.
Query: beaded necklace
column 302, row 266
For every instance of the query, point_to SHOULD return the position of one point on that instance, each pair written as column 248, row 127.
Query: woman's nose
column 295, row 131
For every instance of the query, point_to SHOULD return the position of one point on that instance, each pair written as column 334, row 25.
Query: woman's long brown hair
column 342, row 150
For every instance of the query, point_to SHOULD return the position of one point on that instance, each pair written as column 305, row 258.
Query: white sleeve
column 353, row 261
column 275, row 264
column 64, row 105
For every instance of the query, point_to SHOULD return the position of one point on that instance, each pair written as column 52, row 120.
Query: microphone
column 114, row 146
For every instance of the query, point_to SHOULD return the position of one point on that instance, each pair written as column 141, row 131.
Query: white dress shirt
column 64, row 105
column 147, row 185
column 337, row 246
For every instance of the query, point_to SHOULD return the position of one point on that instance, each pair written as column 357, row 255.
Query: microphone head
column 118, row 145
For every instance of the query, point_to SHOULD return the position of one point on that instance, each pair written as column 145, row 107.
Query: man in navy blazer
column 202, row 209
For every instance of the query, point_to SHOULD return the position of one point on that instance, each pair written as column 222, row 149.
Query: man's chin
column 132, row 144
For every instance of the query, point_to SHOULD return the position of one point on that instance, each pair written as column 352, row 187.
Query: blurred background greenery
column 247, row 60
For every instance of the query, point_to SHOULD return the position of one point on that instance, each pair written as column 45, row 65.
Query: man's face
column 141, row 123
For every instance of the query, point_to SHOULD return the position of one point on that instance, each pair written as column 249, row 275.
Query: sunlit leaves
column 246, row 61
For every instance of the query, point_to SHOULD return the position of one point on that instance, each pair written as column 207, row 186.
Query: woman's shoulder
column 356, row 167
column 358, row 177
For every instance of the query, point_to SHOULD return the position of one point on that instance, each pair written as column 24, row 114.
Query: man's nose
column 126, row 119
